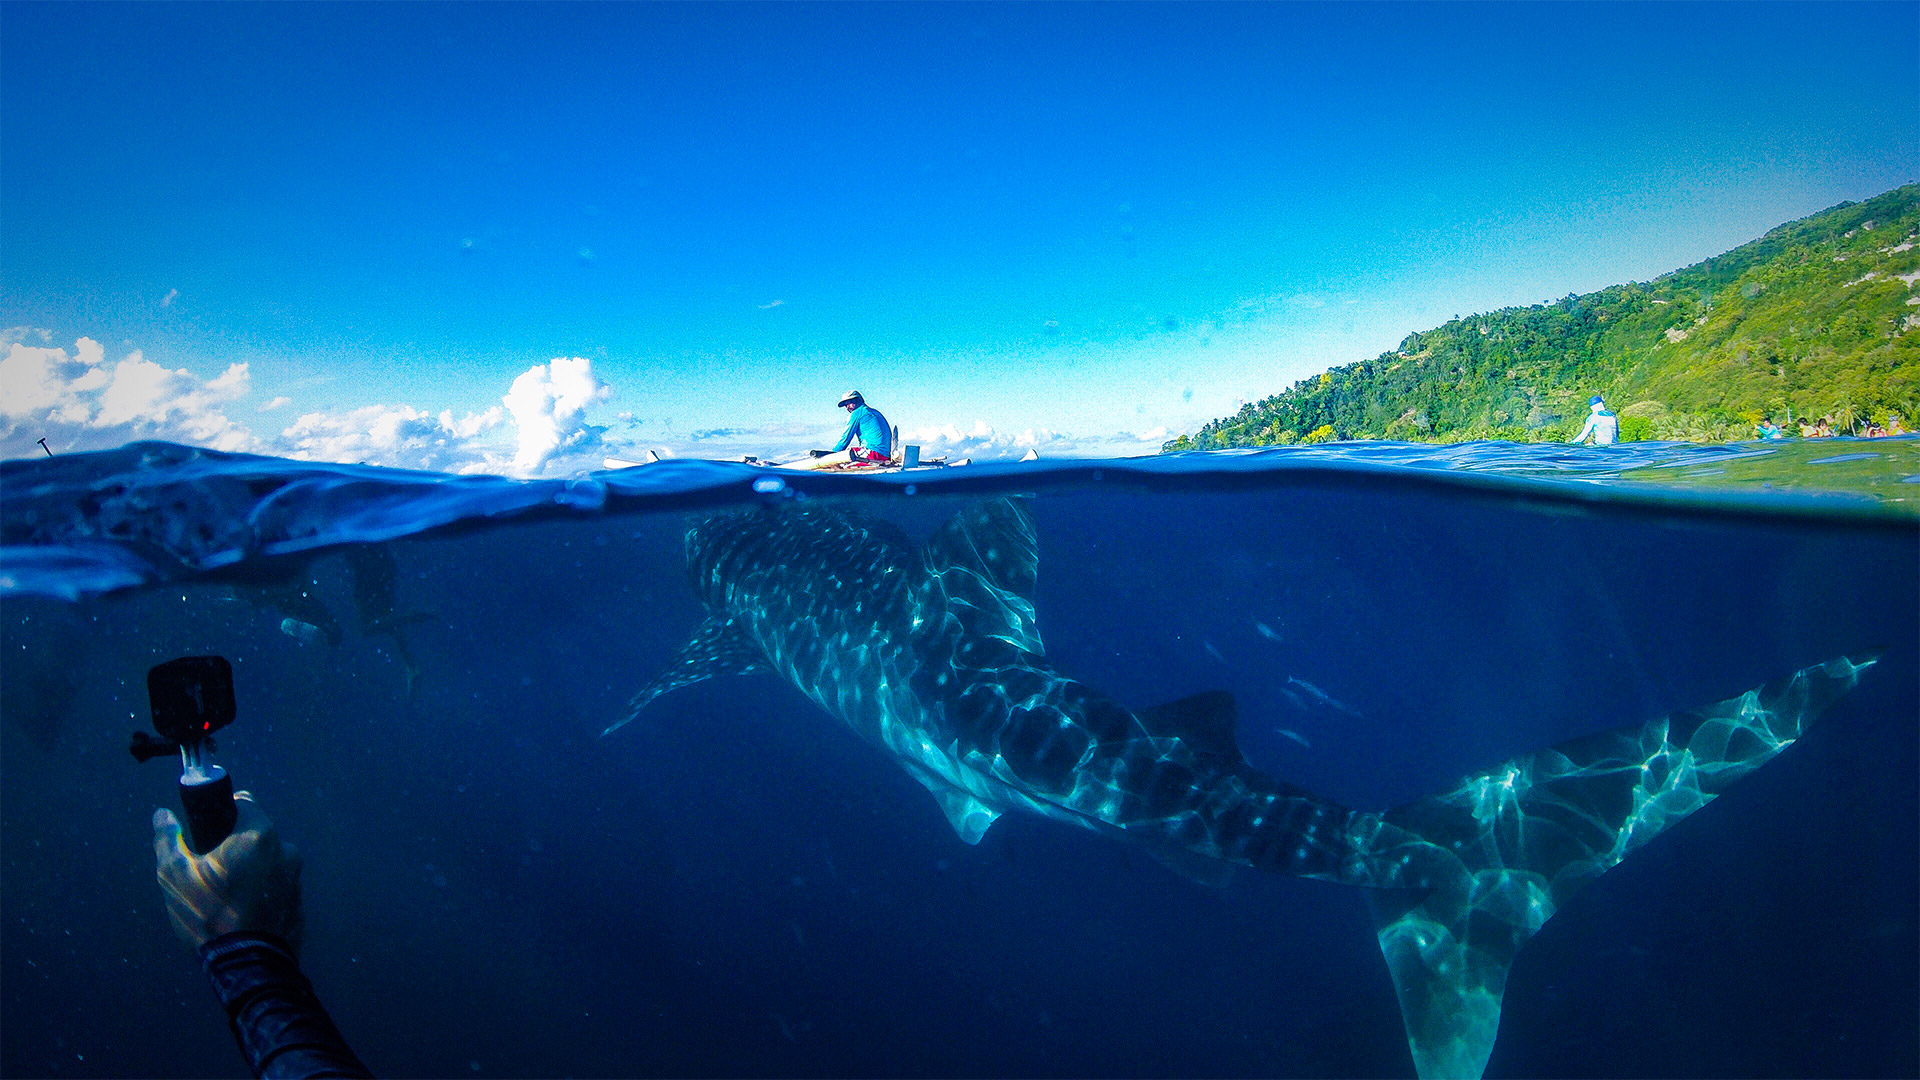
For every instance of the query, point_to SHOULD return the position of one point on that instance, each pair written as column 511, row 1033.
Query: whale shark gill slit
column 933, row 654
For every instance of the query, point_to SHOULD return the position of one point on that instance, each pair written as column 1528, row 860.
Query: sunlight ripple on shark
column 932, row 654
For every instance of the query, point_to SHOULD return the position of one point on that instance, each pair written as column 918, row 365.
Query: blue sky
column 1082, row 227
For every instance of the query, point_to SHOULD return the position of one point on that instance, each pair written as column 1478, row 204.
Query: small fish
column 1266, row 631
column 303, row 632
column 1294, row 735
column 1211, row 651
column 1321, row 696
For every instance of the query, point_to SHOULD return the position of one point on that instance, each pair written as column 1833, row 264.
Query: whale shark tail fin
column 1495, row 857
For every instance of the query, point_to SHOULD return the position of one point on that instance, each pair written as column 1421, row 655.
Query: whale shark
column 932, row 653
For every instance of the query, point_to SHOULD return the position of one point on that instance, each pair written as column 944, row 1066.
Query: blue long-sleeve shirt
column 1603, row 426
column 870, row 427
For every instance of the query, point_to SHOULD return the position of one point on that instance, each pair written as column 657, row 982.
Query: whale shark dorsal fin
column 1203, row 721
column 718, row 647
column 969, row 816
column 986, row 560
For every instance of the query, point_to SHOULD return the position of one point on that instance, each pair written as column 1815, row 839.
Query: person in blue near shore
column 1602, row 425
column 867, row 428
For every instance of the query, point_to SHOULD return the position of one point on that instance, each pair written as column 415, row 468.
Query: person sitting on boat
column 867, row 431
column 1602, row 425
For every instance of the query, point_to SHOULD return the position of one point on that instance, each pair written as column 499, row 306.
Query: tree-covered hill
column 1819, row 317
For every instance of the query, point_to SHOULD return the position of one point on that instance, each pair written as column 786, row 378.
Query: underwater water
column 736, row 884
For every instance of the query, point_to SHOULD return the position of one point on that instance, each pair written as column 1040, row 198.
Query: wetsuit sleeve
column 853, row 425
column 281, row 1027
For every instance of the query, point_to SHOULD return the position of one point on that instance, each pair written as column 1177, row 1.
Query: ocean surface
column 736, row 885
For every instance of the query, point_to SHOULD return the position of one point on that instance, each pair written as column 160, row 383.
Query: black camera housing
column 191, row 697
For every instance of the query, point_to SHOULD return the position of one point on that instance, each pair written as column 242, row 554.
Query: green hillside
column 1820, row 317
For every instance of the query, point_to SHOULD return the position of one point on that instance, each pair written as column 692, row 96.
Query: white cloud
column 768, row 442
column 80, row 403
column 983, row 442
column 141, row 391
column 35, row 381
column 398, row 436
column 771, row 304
column 80, row 400
column 980, row 441
column 548, row 404
column 172, row 295
column 975, row 439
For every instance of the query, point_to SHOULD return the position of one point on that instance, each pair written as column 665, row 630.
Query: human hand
column 250, row 882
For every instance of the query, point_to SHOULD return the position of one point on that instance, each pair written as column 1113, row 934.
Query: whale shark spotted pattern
column 932, row 653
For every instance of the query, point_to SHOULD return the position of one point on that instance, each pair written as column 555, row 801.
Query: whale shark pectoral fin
column 718, row 647
column 985, row 559
column 1486, row 864
column 995, row 539
column 1203, row 721
column 969, row 816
